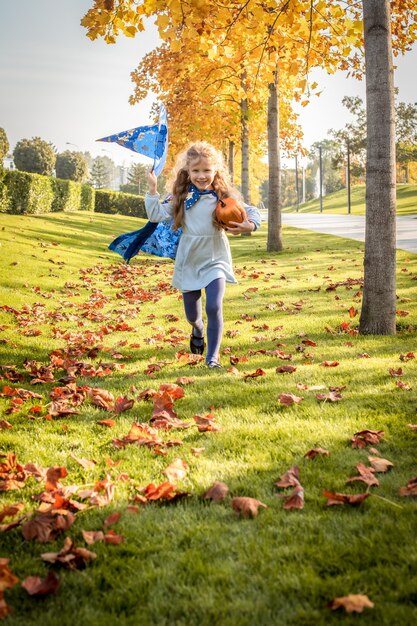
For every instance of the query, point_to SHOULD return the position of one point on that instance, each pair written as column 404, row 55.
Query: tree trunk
column 231, row 160
column 274, row 243
column 245, row 151
column 379, row 297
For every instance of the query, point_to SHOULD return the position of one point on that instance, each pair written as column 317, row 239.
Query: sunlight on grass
column 193, row 561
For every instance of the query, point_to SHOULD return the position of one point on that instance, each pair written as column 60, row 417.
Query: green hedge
column 21, row 192
column 122, row 203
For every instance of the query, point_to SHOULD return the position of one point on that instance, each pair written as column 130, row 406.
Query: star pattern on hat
column 195, row 194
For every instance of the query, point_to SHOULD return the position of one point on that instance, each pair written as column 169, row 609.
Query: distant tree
column 72, row 166
column 406, row 135
column 4, row 145
column 332, row 180
column 102, row 172
column 137, row 182
column 35, row 155
column 353, row 135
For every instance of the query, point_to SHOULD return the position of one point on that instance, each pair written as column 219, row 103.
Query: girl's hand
column 237, row 228
column 152, row 182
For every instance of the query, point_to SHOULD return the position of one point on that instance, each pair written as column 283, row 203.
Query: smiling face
column 202, row 172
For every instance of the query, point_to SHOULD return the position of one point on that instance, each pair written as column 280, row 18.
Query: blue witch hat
column 151, row 141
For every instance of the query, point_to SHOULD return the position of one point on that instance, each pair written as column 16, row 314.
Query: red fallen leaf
column 410, row 489
column 112, row 537
column 364, row 437
column 403, row 357
column 36, row 586
column 53, row 474
column 309, row 342
column 176, row 471
column 296, row 499
column 164, row 491
column 286, row 369
column 163, row 420
column 11, row 510
column 173, row 390
column 351, row 603
column 4, row 424
column 352, row 311
column 330, row 397
column 334, row 498
column 69, row 555
column 206, row 424
column 247, row 507
column 366, row 475
column 402, row 385
column 92, row 536
column 289, row 478
column 197, row 451
column 112, row 519
column 330, row 363
column 288, row 398
column 256, row 374
column 122, row 404
column 109, row 423
column 189, row 359
column 402, row 313
column 7, row 581
column 394, row 373
column 311, row 454
column 217, row 492
column 36, row 409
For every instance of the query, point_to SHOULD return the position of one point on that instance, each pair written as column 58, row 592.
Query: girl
column 203, row 259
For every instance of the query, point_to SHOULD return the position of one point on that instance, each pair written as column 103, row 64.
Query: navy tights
column 214, row 311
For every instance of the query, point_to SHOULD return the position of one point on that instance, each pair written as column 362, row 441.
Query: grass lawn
column 76, row 311
column 337, row 202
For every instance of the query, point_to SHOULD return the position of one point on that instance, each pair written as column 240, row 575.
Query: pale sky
column 59, row 85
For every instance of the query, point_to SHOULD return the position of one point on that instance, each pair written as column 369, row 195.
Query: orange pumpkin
column 229, row 210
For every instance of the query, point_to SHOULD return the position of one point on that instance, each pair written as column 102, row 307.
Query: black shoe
column 197, row 344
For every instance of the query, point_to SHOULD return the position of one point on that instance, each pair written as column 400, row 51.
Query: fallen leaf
column 197, row 451
column 288, row 398
column 112, row 519
column 11, row 510
column 334, row 498
column 410, row 489
column 256, row 374
column 286, row 369
column 311, row 454
column 366, row 475
column 330, row 363
column 296, row 499
column 394, row 373
column 112, row 537
column 247, row 507
column 380, row 465
column 217, row 492
column 4, row 424
column 206, row 424
column 351, row 603
column 176, row 471
column 85, row 463
column 289, row 478
column 122, row 404
column 367, row 437
column 69, row 555
column 92, row 536
column 109, row 423
column 36, row 586
column 332, row 396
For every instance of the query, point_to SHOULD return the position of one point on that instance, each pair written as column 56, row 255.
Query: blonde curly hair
column 180, row 181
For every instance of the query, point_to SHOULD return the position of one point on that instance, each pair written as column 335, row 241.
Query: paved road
column 353, row 226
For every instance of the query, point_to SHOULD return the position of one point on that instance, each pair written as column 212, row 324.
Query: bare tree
column 379, row 297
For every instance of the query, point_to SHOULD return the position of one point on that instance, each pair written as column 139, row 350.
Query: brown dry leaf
column 164, row 491
column 296, row 499
column 329, row 397
column 91, row 536
column 85, row 463
column 112, row 519
column 286, row 369
column 367, row 437
column 366, row 475
column 395, row 373
column 52, row 476
column 334, row 498
column 176, row 471
column 402, row 385
column 197, row 451
column 122, row 404
column 247, row 507
column 184, row 380
column 256, row 374
column 206, row 424
column 11, row 510
column 287, row 399
column 351, row 603
column 36, row 586
column 46, row 526
column 112, row 537
column 289, row 478
column 69, row 555
column 102, row 398
column 329, row 363
column 217, row 492
column 311, row 454
column 109, row 423
column 7, row 581
column 380, row 465
column 4, row 424
column 410, row 489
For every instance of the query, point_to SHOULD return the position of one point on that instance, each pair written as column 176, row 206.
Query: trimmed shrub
column 4, row 194
column 121, row 203
column 29, row 193
column 88, row 195
column 67, row 195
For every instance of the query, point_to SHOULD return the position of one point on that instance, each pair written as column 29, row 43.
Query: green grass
column 337, row 202
column 195, row 562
